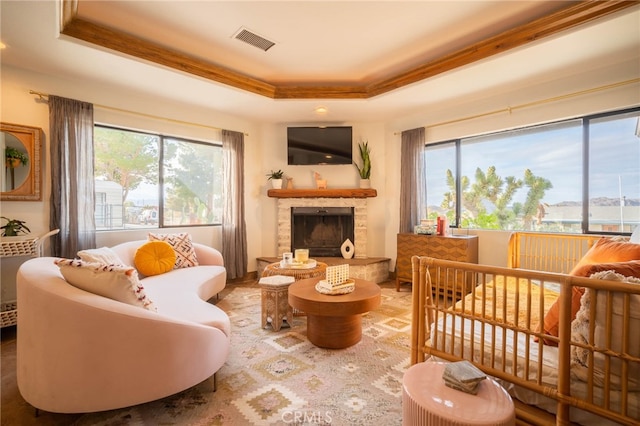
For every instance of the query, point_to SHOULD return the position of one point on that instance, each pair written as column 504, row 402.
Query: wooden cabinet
column 462, row 248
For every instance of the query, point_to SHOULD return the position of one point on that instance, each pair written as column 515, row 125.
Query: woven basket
column 8, row 314
column 9, row 248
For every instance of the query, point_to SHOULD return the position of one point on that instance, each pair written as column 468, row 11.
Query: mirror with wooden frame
column 21, row 176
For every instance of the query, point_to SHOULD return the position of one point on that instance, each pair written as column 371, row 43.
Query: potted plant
column 13, row 158
column 365, row 170
column 275, row 178
column 14, row 227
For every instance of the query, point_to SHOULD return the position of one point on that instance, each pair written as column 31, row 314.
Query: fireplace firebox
column 322, row 230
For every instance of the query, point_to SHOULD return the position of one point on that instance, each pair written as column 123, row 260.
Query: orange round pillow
column 154, row 258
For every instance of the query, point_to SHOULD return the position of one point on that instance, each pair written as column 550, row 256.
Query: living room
column 597, row 86
column 493, row 94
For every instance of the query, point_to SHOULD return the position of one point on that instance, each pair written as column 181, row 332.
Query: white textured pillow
column 119, row 283
column 580, row 333
column 100, row 255
column 182, row 245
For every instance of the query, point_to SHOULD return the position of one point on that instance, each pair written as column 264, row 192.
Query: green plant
column 275, row 175
column 13, row 227
column 13, row 153
column 365, row 170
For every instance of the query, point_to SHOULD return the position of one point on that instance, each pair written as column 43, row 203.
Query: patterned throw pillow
column 154, row 258
column 182, row 245
column 119, row 283
column 608, row 332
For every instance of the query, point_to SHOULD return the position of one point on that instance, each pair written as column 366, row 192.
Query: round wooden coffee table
column 334, row 322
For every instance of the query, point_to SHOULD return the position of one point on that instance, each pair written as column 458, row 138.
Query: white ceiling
column 326, row 42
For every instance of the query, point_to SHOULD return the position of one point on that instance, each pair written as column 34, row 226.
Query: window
column 579, row 175
column 145, row 180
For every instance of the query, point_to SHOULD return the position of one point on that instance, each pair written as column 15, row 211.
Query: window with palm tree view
column 578, row 175
column 147, row 180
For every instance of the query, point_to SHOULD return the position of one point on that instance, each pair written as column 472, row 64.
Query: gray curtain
column 72, row 188
column 234, row 231
column 413, row 193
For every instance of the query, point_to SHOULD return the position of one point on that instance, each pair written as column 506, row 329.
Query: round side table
column 426, row 400
column 317, row 271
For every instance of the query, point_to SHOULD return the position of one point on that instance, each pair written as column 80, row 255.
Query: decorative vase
column 276, row 183
column 347, row 249
column 365, row 184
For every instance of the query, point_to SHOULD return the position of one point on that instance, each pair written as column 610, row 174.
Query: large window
column 580, row 175
column 148, row 180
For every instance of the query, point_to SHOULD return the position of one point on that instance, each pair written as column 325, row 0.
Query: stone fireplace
column 340, row 202
column 322, row 230
column 358, row 207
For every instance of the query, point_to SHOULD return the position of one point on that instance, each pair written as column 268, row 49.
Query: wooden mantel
column 322, row 193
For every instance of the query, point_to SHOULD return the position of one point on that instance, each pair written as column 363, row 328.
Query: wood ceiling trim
column 142, row 49
column 571, row 16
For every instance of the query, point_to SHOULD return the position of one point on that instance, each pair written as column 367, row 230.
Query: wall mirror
column 21, row 176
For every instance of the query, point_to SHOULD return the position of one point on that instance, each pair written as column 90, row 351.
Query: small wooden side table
column 275, row 303
column 427, row 400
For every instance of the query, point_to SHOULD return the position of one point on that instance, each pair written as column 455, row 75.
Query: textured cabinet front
column 459, row 248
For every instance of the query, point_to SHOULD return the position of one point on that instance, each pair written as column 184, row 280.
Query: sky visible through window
column 553, row 152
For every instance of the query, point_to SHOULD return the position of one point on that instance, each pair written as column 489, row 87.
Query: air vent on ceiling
column 253, row 39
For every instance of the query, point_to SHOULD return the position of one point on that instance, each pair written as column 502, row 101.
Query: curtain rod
column 45, row 97
column 510, row 109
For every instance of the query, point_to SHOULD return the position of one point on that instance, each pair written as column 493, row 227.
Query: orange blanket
column 505, row 304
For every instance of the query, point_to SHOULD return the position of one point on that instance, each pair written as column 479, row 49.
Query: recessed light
column 2, row 45
column 321, row 110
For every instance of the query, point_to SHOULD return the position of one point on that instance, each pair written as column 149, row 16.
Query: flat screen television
column 319, row 145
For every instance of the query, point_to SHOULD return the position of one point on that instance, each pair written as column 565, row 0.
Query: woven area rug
column 280, row 378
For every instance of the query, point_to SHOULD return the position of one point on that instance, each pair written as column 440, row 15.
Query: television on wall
column 319, row 145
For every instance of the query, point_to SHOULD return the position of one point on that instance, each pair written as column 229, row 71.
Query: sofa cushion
column 183, row 246
column 187, row 306
column 120, row 283
column 100, row 255
column 206, row 281
column 154, row 258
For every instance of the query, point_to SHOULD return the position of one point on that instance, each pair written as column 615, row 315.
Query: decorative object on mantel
column 289, row 182
column 365, row 170
column 275, row 178
column 347, row 249
column 320, row 183
column 337, row 281
column 14, row 227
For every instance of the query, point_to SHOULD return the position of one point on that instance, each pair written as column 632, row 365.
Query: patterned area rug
column 280, row 378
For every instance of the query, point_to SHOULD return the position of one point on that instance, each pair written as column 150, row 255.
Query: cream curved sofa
column 78, row 352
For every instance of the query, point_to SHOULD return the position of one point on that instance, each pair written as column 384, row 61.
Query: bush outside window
column 144, row 180
column 580, row 175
